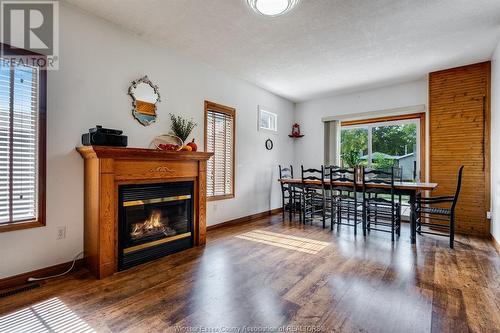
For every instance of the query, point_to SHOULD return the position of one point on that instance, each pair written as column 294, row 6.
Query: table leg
column 413, row 216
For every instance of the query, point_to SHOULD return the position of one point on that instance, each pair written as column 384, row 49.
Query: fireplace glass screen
column 155, row 220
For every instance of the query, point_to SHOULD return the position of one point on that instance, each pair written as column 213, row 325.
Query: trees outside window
column 382, row 145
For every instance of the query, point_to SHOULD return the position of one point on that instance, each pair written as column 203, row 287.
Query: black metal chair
column 381, row 211
column 344, row 207
column 314, row 199
column 439, row 209
column 290, row 194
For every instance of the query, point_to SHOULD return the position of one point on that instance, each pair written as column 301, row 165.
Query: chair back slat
column 313, row 174
column 345, row 176
column 378, row 177
column 286, row 173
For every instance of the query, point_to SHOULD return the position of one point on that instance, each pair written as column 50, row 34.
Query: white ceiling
column 322, row 47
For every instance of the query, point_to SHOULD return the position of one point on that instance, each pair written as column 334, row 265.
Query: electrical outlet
column 61, row 232
column 488, row 215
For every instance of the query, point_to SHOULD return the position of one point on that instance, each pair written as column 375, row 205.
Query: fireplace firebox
column 155, row 220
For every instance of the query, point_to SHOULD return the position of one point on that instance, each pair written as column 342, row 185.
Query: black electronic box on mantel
column 99, row 136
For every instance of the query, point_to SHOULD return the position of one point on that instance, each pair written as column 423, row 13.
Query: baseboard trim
column 20, row 279
column 244, row 219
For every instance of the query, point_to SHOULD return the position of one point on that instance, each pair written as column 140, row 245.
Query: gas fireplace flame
column 151, row 226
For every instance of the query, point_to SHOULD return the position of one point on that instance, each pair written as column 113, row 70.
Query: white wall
column 97, row 63
column 309, row 150
column 495, row 143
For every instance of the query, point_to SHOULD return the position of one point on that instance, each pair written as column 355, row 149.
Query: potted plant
column 182, row 128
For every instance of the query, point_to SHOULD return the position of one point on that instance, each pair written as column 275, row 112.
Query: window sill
column 220, row 197
column 20, row 226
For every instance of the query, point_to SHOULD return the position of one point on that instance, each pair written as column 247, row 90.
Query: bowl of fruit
column 167, row 142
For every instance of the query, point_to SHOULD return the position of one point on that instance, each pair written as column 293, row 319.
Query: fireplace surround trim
column 106, row 168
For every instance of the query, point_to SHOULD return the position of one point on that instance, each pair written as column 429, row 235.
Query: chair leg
column 399, row 222
column 364, row 219
column 392, row 231
column 301, row 199
column 368, row 218
column 324, row 211
column 332, row 212
column 452, row 230
column 339, row 214
column 283, row 207
column 303, row 208
column 355, row 221
column 348, row 214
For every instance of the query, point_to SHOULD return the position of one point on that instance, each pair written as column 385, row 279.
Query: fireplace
column 154, row 220
column 109, row 173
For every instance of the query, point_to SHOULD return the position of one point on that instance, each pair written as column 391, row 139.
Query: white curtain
column 332, row 142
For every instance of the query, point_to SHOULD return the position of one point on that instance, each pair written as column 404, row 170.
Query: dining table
column 406, row 188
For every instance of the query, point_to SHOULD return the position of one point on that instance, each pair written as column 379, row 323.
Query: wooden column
column 459, row 109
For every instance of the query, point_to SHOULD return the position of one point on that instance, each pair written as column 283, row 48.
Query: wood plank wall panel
column 459, row 135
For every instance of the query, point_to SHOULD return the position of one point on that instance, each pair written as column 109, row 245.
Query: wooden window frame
column 421, row 116
column 231, row 112
column 40, row 221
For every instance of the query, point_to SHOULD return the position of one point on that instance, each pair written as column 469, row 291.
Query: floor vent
column 13, row 291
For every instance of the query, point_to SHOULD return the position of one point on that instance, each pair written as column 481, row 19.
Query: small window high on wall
column 22, row 146
column 385, row 142
column 268, row 121
column 220, row 140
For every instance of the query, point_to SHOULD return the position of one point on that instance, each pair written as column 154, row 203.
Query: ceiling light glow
column 272, row 7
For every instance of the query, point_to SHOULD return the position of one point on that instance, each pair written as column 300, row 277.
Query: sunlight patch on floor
column 49, row 316
column 300, row 244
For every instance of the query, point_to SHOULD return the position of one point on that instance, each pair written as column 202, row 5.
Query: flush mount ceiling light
column 272, row 7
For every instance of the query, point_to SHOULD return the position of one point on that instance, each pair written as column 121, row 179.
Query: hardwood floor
column 280, row 273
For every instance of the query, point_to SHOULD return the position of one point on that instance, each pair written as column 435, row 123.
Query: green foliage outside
column 392, row 140
column 381, row 162
column 354, row 145
column 351, row 159
column 396, row 140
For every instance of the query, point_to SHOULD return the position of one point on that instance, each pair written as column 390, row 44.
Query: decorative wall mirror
column 145, row 96
column 269, row 144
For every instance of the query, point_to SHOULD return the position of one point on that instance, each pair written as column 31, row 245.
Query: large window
column 22, row 146
column 220, row 140
column 384, row 143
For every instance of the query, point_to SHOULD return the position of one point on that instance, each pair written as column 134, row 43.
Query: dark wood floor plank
column 353, row 284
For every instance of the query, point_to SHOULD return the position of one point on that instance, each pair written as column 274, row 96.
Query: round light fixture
column 272, row 7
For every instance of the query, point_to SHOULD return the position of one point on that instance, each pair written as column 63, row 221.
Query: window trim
column 412, row 116
column 40, row 221
column 231, row 112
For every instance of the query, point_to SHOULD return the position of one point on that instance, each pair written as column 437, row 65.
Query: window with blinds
column 19, row 139
column 219, row 139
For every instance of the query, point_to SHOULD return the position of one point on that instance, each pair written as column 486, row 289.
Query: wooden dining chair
column 314, row 200
column 436, row 215
column 290, row 194
column 381, row 210
column 345, row 205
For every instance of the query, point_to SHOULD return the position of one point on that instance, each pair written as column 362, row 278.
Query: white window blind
column 18, row 143
column 220, row 141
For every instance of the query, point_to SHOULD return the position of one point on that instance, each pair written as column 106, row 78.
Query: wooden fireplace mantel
column 106, row 168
